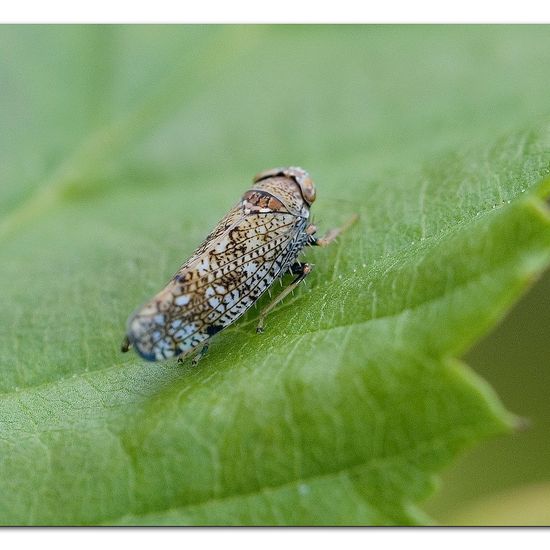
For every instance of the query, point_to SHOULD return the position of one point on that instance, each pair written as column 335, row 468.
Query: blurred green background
column 148, row 105
column 507, row 480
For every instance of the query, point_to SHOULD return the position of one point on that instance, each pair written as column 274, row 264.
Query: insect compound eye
column 308, row 190
column 303, row 179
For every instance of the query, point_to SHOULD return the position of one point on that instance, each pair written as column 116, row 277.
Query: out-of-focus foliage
column 505, row 480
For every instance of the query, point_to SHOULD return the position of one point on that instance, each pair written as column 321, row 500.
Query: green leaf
column 130, row 143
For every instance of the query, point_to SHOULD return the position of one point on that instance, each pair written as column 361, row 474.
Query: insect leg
column 332, row 234
column 200, row 354
column 125, row 345
column 302, row 271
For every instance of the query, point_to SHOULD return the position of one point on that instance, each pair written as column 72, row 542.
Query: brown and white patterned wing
column 237, row 262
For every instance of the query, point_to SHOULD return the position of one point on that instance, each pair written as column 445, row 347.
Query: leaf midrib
column 432, row 299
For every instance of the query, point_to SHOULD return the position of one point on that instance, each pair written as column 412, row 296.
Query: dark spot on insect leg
column 181, row 359
column 302, row 271
column 125, row 345
column 295, row 268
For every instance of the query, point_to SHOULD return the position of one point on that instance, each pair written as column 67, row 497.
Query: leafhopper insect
column 252, row 247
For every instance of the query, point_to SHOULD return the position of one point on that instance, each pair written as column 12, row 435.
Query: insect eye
column 308, row 190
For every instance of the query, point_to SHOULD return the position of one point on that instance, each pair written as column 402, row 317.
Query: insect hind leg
column 301, row 271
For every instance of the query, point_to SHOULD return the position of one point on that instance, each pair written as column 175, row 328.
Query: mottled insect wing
column 253, row 245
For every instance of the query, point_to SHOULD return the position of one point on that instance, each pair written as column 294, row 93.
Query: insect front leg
column 331, row 234
column 302, row 271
